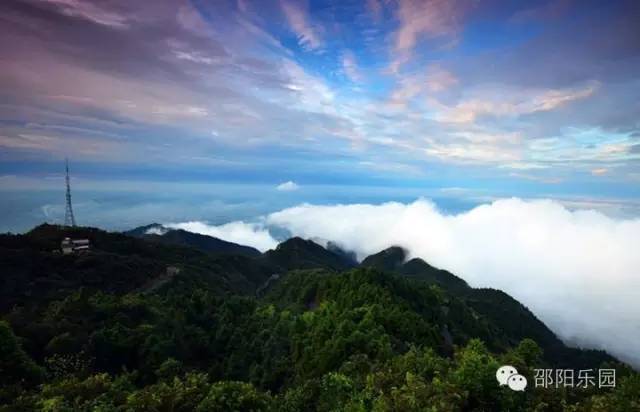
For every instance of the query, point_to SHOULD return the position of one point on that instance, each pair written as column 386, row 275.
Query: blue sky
column 220, row 102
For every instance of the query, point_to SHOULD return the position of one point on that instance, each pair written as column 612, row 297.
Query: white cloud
column 156, row 230
column 522, row 166
column 576, row 270
column 249, row 234
column 289, row 186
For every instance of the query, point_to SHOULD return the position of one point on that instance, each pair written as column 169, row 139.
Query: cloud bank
column 248, row 234
column 576, row 270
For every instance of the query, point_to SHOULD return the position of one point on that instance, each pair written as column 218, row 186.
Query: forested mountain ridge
column 324, row 337
column 395, row 259
column 508, row 315
column 298, row 253
column 158, row 233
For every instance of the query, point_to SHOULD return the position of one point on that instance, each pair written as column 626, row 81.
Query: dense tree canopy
column 316, row 340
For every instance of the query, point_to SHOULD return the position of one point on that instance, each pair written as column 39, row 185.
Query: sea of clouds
column 577, row 270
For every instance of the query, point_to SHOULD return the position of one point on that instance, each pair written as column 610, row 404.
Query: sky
column 482, row 99
column 496, row 139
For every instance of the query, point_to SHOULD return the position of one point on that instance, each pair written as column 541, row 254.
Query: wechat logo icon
column 508, row 375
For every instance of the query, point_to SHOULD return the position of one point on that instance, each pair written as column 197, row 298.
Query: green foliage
column 177, row 395
column 17, row 369
column 15, row 364
column 626, row 398
column 235, row 397
column 100, row 391
column 317, row 340
column 475, row 374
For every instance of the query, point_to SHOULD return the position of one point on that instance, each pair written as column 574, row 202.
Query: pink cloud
column 439, row 79
column 435, row 79
column 375, row 8
column 425, row 18
column 431, row 18
column 504, row 102
column 89, row 11
column 299, row 21
column 350, row 67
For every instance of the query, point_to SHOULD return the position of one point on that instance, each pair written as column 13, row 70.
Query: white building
column 69, row 245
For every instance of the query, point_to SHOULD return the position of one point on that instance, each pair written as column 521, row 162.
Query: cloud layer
column 238, row 232
column 576, row 270
column 435, row 87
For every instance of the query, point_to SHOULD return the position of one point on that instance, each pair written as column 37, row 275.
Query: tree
column 232, row 396
column 17, row 369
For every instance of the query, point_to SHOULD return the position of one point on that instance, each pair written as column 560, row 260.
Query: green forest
column 298, row 328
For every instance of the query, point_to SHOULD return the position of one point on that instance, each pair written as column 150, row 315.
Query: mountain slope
column 514, row 320
column 321, row 338
column 393, row 259
column 388, row 260
column 158, row 233
column 297, row 253
column 34, row 270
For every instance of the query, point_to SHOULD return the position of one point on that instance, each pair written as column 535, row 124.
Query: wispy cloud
column 350, row 66
column 433, row 80
column 299, row 21
column 428, row 18
column 166, row 76
column 431, row 18
column 503, row 101
column 91, row 11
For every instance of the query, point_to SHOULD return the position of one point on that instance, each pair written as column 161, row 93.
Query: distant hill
column 393, row 259
column 158, row 233
column 348, row 256
column 141, row 231
column 298, row 253
column 35, row 270
column 389, row 259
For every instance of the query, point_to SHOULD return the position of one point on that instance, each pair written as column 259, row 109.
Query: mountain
column 514, row 320
column 298, row 253
column 35, row 270
column 118, row 263
column 137, row 324
column 150, row 229
column 348, row 256
column 158, row 233
column 389, row 259
column 393, row 259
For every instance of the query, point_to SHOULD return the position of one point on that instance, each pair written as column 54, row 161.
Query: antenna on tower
column 69, row 219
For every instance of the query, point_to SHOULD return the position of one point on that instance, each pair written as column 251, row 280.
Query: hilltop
column 159, row 233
